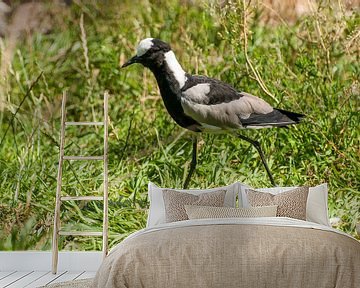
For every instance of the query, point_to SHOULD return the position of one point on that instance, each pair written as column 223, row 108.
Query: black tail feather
column 276, row 118
column 296, row 117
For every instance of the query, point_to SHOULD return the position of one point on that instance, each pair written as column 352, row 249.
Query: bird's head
column 150, row 52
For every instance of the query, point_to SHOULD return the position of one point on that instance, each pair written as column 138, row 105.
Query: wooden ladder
column 59, row 198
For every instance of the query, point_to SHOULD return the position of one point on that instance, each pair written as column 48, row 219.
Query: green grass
column 311, row 67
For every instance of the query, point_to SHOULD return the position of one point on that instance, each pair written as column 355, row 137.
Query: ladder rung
column 83, row 157
column 84, row 123
column 80, row 233
column 67, row 198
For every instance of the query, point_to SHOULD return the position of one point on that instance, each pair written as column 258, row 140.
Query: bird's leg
column 258, row 148
column 192, row 164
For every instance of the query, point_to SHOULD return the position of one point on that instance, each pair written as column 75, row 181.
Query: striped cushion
column 200, row 212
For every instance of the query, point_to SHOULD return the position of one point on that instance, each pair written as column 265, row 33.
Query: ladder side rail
column 55, row 248
column 105, row 182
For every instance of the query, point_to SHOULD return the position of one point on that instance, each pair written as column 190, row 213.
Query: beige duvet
column 234, row 253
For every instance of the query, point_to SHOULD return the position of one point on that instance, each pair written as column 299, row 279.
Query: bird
column 203, row 104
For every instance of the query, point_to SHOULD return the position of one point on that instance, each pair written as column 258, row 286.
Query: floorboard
column 68, row 276
column 46, row 279
column 87, row 274
column 13, row 277
column 5, row 274
column 34, row 279
column 28, row 279
column 31, row 269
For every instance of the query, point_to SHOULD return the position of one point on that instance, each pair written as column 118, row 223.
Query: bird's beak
column 133, row 60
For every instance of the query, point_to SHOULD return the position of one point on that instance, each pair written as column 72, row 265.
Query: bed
column 233, row 251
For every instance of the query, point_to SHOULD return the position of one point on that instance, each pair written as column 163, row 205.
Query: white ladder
column 59, row 198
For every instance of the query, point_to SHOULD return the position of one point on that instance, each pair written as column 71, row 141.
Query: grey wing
column 215, row 103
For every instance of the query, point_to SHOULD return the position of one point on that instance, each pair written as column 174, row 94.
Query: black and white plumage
column 203, row 104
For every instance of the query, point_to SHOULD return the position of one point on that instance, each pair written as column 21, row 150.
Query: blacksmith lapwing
column 203, row 104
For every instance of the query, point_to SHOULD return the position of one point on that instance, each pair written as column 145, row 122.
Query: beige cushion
column 175, row 201
column 201, row 212
column 290, row 204
column 156, row 214
column 317, row 202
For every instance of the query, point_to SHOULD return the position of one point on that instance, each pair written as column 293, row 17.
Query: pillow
column 200, row 212
column 290, row 203
column 157, row 209
column 175, row 201
column 316, row 206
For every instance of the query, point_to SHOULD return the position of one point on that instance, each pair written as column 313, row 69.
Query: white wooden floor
column 32, row 279
column 32, row 268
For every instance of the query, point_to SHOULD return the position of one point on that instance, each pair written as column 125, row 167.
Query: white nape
column 144, row 46
column 175, row 68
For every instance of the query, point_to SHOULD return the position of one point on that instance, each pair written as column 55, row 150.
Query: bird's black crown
column 159, row 45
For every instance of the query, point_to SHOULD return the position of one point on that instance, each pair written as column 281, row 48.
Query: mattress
column 234, row 252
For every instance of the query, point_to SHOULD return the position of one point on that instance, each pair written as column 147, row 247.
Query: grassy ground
column 310, row 67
